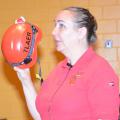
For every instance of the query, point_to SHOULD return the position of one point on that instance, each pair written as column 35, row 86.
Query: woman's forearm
column 29, row 91
column 30, row 96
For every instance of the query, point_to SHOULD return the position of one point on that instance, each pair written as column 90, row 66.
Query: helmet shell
column 16, row 43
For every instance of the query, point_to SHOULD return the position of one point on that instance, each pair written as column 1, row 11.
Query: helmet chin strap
column 39, row 74
column 28, row 59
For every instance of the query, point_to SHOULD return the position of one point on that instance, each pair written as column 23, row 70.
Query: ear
column 82, row 32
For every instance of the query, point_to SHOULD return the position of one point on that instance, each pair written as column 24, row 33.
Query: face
column 65, row 33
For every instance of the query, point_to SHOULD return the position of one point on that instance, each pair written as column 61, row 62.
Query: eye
column 61, row 25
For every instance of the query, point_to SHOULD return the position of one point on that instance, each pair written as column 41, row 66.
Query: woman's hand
column 29, row 91
column 23, row 74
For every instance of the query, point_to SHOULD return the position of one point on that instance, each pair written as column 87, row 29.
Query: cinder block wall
column 42, row 13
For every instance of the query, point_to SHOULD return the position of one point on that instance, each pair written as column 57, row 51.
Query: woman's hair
column 84, row 18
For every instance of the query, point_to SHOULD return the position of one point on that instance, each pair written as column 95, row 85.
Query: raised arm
column 29, row 91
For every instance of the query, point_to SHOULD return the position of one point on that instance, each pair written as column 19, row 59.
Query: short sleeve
column 103, row 95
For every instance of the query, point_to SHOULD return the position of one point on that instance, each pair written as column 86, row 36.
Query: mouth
column 57, row 41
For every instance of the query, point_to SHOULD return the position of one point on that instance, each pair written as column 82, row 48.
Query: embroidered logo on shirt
column 74, row 78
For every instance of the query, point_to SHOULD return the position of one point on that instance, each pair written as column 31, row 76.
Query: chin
column 59, row 48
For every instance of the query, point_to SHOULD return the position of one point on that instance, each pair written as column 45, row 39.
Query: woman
column 81, row 87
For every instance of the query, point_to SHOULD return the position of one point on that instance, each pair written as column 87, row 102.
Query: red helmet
column 19, row 44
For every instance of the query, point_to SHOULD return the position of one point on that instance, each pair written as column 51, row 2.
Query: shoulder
column 60, row 65
column 97, row 62
column 55, row 70
column 103, row 64
column 53, row 73
column 103, row 69
column 104, row 75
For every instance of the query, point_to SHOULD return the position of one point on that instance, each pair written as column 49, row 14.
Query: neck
column 76, row 55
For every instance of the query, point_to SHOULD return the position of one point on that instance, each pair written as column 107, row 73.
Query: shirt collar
column 85, row 58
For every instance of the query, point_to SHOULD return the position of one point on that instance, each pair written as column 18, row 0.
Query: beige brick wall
column 42, row 13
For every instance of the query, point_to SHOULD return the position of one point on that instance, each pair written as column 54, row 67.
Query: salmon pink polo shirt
column 87, row 90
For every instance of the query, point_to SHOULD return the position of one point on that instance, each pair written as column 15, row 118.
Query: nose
column 54, row 32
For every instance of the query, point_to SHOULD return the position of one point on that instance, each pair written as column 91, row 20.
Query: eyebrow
column 59, row 21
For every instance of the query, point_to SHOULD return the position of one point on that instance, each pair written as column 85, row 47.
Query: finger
column 21, row 70
column 16, row 68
